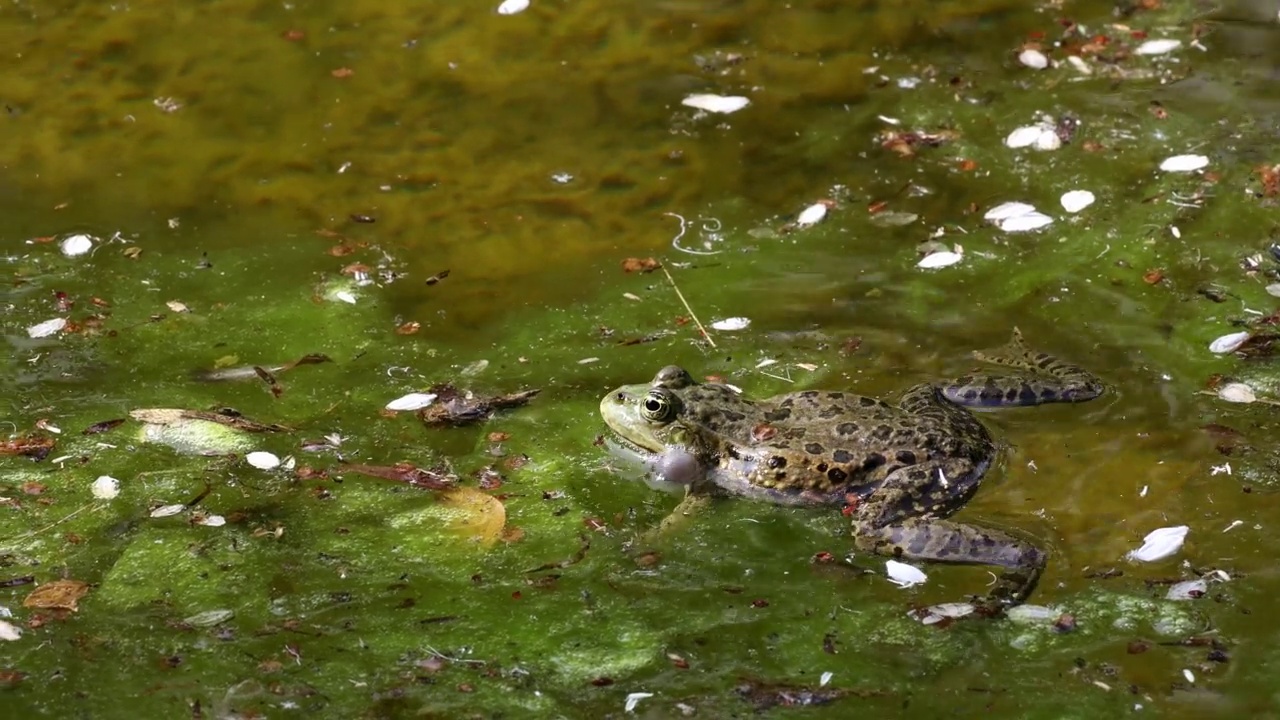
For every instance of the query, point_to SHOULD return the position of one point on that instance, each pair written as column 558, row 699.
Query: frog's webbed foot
column 944, row 541
column 691, row 505
column 1038, row 378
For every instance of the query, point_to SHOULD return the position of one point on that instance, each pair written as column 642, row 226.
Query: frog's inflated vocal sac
column 906, row 466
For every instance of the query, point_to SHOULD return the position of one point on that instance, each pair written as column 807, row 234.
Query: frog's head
column 672, row 411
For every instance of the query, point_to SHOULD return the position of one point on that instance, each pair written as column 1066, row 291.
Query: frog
column 899, row 470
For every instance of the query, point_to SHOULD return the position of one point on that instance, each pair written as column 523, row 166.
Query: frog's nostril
column 620, row 397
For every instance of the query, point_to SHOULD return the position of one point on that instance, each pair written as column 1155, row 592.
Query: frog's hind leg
column 946, row 541
column 1039, row 378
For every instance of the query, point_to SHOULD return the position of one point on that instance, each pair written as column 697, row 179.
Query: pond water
column 438, row 193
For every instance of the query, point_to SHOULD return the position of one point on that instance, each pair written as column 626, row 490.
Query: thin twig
column 680, row 295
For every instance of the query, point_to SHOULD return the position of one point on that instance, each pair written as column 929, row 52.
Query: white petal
column 511, row 7
column 105, row 487
column 47, row 328
column 1157, row 47
column 74, row 245
column 1080, row 65
column 1227, row 343
column 1273, row 289
column 716, row 103
column 167, row 511
column 412, row 401
column 825, row 678
column 1008, row 210
column 1028, row 614
column 733, row 323
column 1033, row 59
column 9, row 631
column 345, row 296
column 1184, row 163
column 1237, row 393
column 904, row 575
column 1048, row 140
column 1160, row 544
column 212, row 521
column 1073, row 201
column 262, row 460
column 1187, row 590
column 634, row 699
column 1025, row 136
column 1023, row 223
column 812, row 215
column 940, row 259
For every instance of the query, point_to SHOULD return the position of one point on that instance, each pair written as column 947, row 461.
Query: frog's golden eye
column 656, row 407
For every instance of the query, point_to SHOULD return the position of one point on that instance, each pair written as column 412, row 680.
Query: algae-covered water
column 438, row 193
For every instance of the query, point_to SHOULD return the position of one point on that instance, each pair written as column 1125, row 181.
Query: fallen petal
column 716, row 103
column 262, row 460
column 511, row 7
column 9, row 631
column 1157, row 47
column 1160, row 544
column 733, row 323
column 904, row 575
column 1187, row 590
column 75, row 245
column 1048, row 140
column 1074, row 201
column 940, row 259
column 1228, row 343
column 105, row 487
column 1184, row 163
column 1023, row 137
column 1024, row 223
column 1007, row 210
column 167, row 511
column 412, row 401
column 47, row 328
column 812, row 215
column 1237, row 393
column 1033, row 58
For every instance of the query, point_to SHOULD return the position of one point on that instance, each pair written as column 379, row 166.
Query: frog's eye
column 656, row 407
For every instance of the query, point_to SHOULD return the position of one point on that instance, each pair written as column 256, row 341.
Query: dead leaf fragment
column 343, row 72
column 455, row 408
column 57, row 595
column 640, row 265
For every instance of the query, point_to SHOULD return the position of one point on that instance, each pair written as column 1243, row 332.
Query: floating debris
column 105, row 487
column 634, row 699
column 511, row 7
column 1157, row 47
column 412, row 401
column 262, row 460
column 941, row 258
column 47, row 328
column 1017, row 217
column 1184, row 163
column 1033, row 59
column 716, row 103
column 1228, row 343
column 1160, row 544
column 1187, row 590
column 165, row 511
column 904, row 575
column 1043, row 136
column 935, row 614
column 1237, row 393
column 76, row 245
column 1074, row 201
column 731, row 324
column 812, row 215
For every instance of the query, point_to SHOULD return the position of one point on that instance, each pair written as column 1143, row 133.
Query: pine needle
column 680, row 295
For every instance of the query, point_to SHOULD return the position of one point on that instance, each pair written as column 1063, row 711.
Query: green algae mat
column 309, row 308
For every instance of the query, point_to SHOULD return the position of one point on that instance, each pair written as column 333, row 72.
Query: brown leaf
column 37, row 448
column 409, row 328
column 57, row 595
column 343, row 72
column 453, row 408
column 102, row 427
column 1153, row 276
column 405, row 473
column 640, row 265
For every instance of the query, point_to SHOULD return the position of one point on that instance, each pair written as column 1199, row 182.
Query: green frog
column 901, row 468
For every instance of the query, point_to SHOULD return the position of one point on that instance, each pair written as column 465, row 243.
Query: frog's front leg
column 902, row 519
